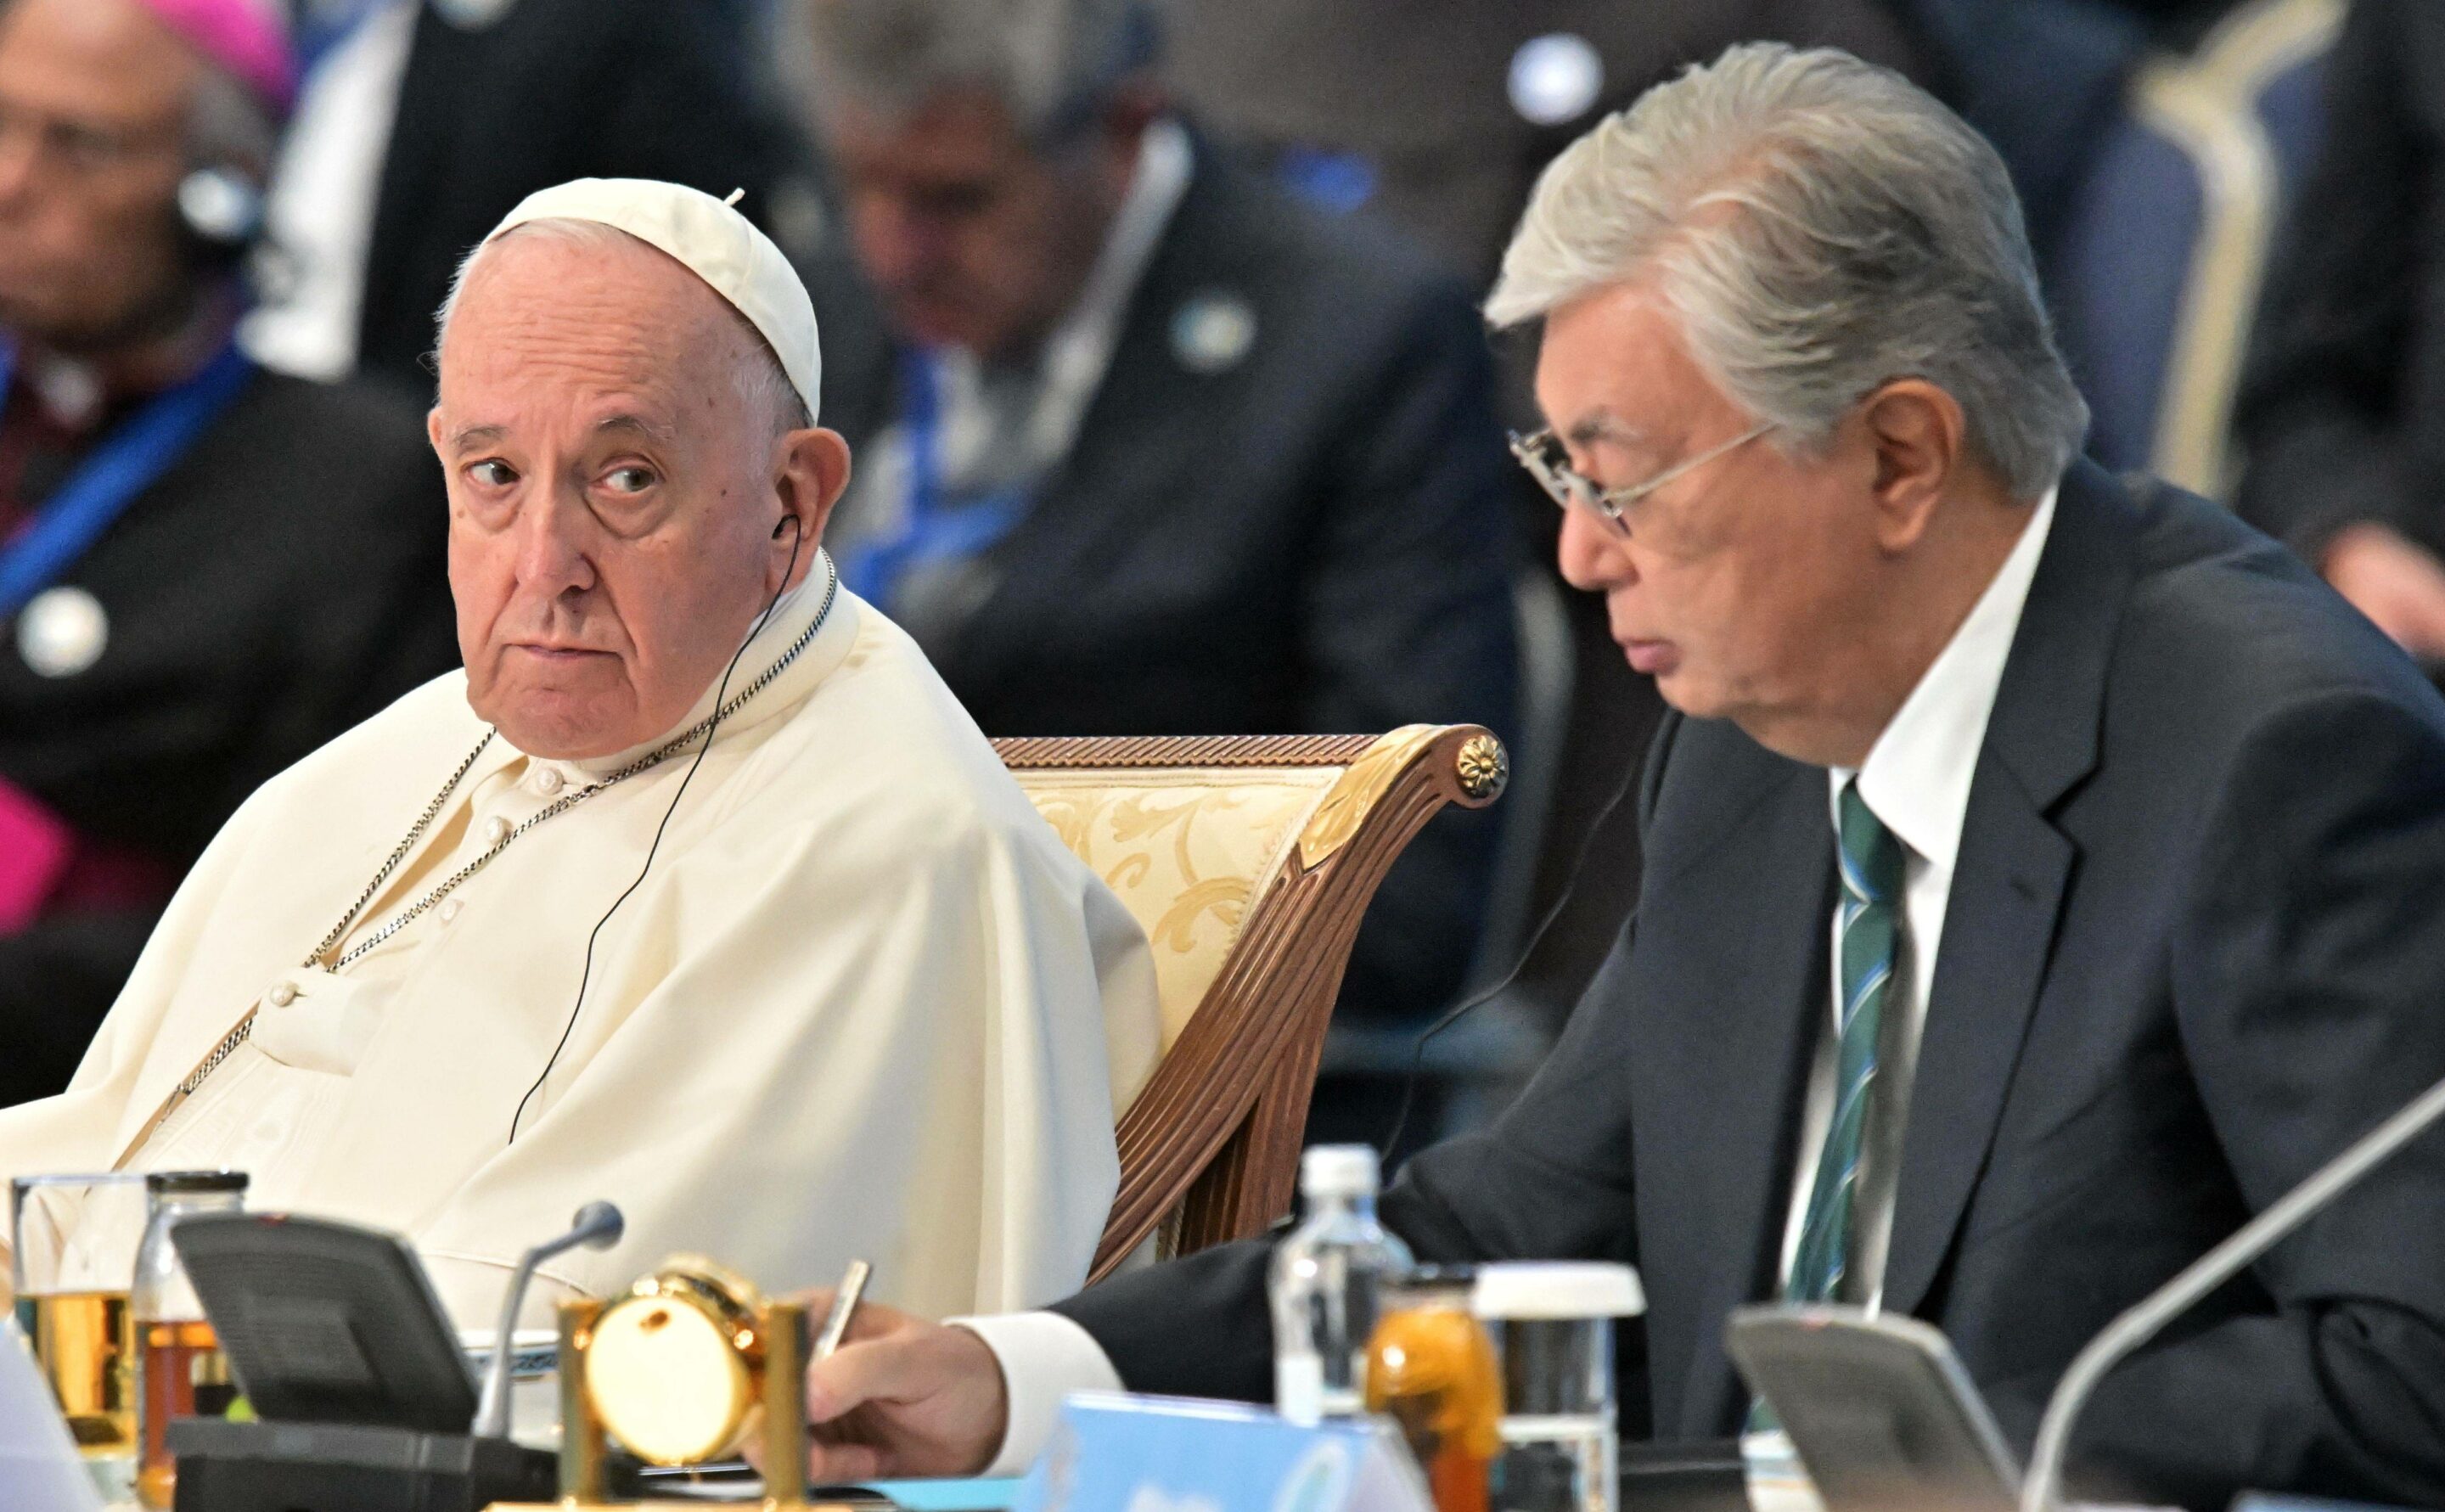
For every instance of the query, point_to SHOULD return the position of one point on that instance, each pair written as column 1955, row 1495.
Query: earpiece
column 720, row 694
column 788, row 522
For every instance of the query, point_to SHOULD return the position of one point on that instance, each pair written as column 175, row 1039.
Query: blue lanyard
column 128, row 461
column 929, row 531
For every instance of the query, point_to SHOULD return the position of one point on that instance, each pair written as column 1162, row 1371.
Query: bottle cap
column 1339, row 1171
column 181, row 1183
column 1431, row 1286
column 1557, row 1290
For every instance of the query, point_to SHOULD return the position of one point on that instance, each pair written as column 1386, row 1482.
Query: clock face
column 671, row 1370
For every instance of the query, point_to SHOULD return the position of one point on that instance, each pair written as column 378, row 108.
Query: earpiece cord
column 720, row 694
column 1518, row 963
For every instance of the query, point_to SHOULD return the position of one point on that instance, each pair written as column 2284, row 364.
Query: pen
column 853, row 1286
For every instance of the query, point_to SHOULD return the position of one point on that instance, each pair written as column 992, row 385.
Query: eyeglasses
column 1549, row 462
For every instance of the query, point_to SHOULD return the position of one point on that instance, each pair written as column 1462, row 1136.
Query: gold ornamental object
column 680, row 1369
column 1485, row 768
column 1359, row 788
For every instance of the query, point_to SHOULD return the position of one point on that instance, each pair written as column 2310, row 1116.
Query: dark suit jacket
column 281, row 582
column 2193, row 950
column 1308, row 539
column 556, row 89
column 2343, row 405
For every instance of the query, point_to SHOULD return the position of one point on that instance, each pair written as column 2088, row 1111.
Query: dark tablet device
column 326, row 1322
column 1878, row 1408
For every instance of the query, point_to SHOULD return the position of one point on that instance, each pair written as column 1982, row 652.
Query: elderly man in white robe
column 696, row 891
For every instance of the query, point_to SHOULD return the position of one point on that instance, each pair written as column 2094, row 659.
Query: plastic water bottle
column 1327, row 1278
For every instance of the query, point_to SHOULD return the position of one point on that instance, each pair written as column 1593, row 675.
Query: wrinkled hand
column 901, row 1397
column 2399, row 586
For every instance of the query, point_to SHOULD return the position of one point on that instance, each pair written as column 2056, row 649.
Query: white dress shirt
column 1916, row 780
column 319, row 211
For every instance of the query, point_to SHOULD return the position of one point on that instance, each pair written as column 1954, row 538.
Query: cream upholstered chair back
column 1248, row 859
column 1188, row 849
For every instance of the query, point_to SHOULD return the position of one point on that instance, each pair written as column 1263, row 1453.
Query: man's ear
column 812, row 470
column 1917, row 433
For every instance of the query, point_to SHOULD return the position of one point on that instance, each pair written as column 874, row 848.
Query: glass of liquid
column 1552, row 1325
column 1431, row 1370
column 72, row 1244
column 180, row 1370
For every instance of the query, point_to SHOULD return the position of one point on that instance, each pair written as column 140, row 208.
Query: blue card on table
column 1164, row 1454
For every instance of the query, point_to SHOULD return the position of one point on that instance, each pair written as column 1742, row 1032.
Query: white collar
column 1917, row 777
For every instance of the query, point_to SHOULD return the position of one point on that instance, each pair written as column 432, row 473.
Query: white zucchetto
column 710, row 240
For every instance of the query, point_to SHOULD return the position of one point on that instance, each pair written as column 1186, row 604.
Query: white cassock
column 865, row 1002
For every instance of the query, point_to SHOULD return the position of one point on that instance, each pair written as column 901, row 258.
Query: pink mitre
column 245, row 38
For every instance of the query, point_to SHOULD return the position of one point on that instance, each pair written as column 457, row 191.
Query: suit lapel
column 1733, row 942
column 1999, row 928
column 2012, row 873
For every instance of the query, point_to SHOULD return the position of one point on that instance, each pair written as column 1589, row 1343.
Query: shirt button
column 450, row 907
column 496, row 830
column 547, row 780
column 282, row 994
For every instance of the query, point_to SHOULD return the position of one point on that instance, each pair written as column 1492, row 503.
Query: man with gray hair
column 696, row 891
column 2042, row 872
column 1154, row 448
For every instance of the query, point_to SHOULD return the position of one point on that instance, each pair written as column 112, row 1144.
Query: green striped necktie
column 1868, row 930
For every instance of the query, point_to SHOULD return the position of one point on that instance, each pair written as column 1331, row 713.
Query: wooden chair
column 1248, row 859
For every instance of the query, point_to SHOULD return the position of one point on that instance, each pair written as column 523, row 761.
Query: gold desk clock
column 675, row 1370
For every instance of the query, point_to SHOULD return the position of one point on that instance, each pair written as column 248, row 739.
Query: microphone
column 2041, row 1491
column 597, row 1226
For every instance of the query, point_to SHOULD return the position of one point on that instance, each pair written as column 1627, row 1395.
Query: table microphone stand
column 596, row 1226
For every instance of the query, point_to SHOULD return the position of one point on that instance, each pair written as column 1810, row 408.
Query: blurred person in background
column 420, row 122
column 2341, row 414
column 206, row 570
column 1437, row 115
column 1156, row 449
